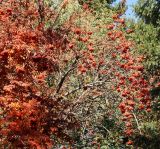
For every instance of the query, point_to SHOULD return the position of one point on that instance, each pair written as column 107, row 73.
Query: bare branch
column 97, row 83
column 138, row 126
column 65, row 75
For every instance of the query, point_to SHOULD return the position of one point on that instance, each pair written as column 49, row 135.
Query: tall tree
column 147, row 31
column 149, row 11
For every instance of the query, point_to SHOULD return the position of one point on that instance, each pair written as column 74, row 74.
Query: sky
column 129, row 12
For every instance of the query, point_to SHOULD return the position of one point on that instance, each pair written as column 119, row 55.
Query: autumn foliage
column 49, row 74
column 28, row 53
column 129, row 80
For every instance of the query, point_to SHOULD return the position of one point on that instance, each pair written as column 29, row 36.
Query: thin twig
column 137, row 123
column 97, row 83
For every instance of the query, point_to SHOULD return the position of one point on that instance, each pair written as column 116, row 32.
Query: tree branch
column 60, row 84
column 138, row 126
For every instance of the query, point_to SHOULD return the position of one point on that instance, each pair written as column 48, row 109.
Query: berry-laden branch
column 130, row 82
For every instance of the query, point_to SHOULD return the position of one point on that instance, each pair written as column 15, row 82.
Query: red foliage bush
column 29, row 115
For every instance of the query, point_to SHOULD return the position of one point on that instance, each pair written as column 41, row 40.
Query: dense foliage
column 148, row 32
column 71, row 77
column 149, row 11
column 30, row 113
